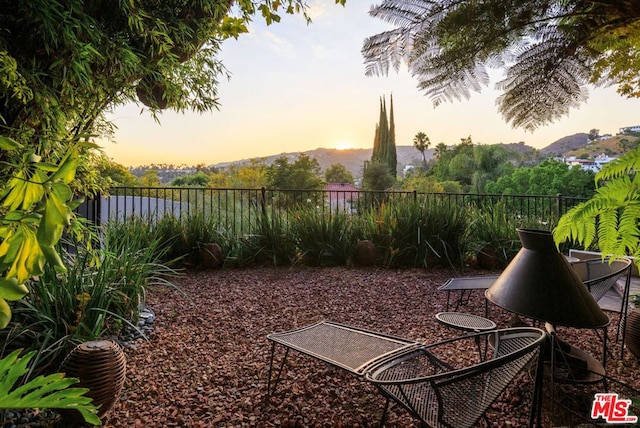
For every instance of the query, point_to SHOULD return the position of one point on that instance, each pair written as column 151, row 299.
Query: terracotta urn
column 211, row 254
column 365, row 253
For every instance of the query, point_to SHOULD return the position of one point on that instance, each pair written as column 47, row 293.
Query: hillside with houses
column 576, row 149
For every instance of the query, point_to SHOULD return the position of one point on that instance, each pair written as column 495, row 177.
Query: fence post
column 263, row 200
column 559, row 205
column 415, row 195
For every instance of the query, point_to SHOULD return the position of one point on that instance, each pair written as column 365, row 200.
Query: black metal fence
column 239, row 210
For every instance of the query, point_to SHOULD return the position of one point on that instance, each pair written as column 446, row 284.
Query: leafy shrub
column 44, row 392
column 101, row 292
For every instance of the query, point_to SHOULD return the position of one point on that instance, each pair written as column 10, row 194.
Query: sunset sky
column 297, row 87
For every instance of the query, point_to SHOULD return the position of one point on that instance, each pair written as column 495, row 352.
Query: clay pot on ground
column 211, row 255
column 365, row 254
column 487, row 258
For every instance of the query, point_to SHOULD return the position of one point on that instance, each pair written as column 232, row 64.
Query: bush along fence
column 282, row 227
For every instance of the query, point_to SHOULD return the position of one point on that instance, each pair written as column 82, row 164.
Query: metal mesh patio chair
column 602, row 275
column 446, row 385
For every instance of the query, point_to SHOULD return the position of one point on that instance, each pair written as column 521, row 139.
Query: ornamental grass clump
column 491, row 237
column 271, row 243
column 323, row 237
column 418, row 233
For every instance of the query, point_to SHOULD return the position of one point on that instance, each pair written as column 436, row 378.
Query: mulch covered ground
column 207, row 360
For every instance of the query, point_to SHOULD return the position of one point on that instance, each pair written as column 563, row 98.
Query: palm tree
column 440, row 150
column 421, row 142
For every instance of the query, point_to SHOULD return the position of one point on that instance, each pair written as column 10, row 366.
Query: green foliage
column 421, row 182
column 44, row 392
column 492, row 161
column 101, row 291
column 272, row 243
column 36, row 206
column 376, row 176
column 199, row 179
column 549, row 49
column 56, row 83
column 249, row 176
column 384, row 141
column 548, row 178
column 457, row 164
column 303, row 174
column 323, row 237
column 421, row 142
column 113, row 173
column 338, row 173
column 492, row 232
column 609, row 220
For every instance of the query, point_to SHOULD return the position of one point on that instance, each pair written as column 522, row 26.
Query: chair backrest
column 601, row 275
column 436, row 390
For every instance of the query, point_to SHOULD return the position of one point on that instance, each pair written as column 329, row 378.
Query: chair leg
column 271, row 387
column 384, row 412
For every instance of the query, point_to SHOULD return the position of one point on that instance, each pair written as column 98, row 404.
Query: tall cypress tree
column 384, row 140
column 379, row 141
column 391, row 156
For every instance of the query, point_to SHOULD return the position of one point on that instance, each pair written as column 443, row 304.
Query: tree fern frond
column 628, row 227
column 621, row 167
column 543, row 85
column 573, row 227
column 608, row 231
column 384, row 51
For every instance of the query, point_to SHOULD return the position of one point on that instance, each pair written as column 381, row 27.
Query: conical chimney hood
column 540, row 283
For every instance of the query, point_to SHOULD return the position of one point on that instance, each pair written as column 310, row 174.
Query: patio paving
column 612, row 300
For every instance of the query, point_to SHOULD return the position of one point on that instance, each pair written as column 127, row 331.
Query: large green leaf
column 7, row 143
column 44, row 392
column 5, row 313
column 67, row 170
column 56, row 215
column 11, row 289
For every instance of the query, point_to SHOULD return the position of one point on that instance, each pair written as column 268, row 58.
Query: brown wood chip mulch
column 207, row 359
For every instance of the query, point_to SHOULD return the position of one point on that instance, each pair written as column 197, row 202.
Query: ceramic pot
column 211, row 254
column 365, row 253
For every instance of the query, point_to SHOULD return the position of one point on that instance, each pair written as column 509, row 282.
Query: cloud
column 319, row 51
column 318, row 8
column 279, row 45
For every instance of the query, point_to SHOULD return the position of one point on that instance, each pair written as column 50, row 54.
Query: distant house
column 406, row 169
column 341, row 197
column 628, row 129
column 594, row 164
